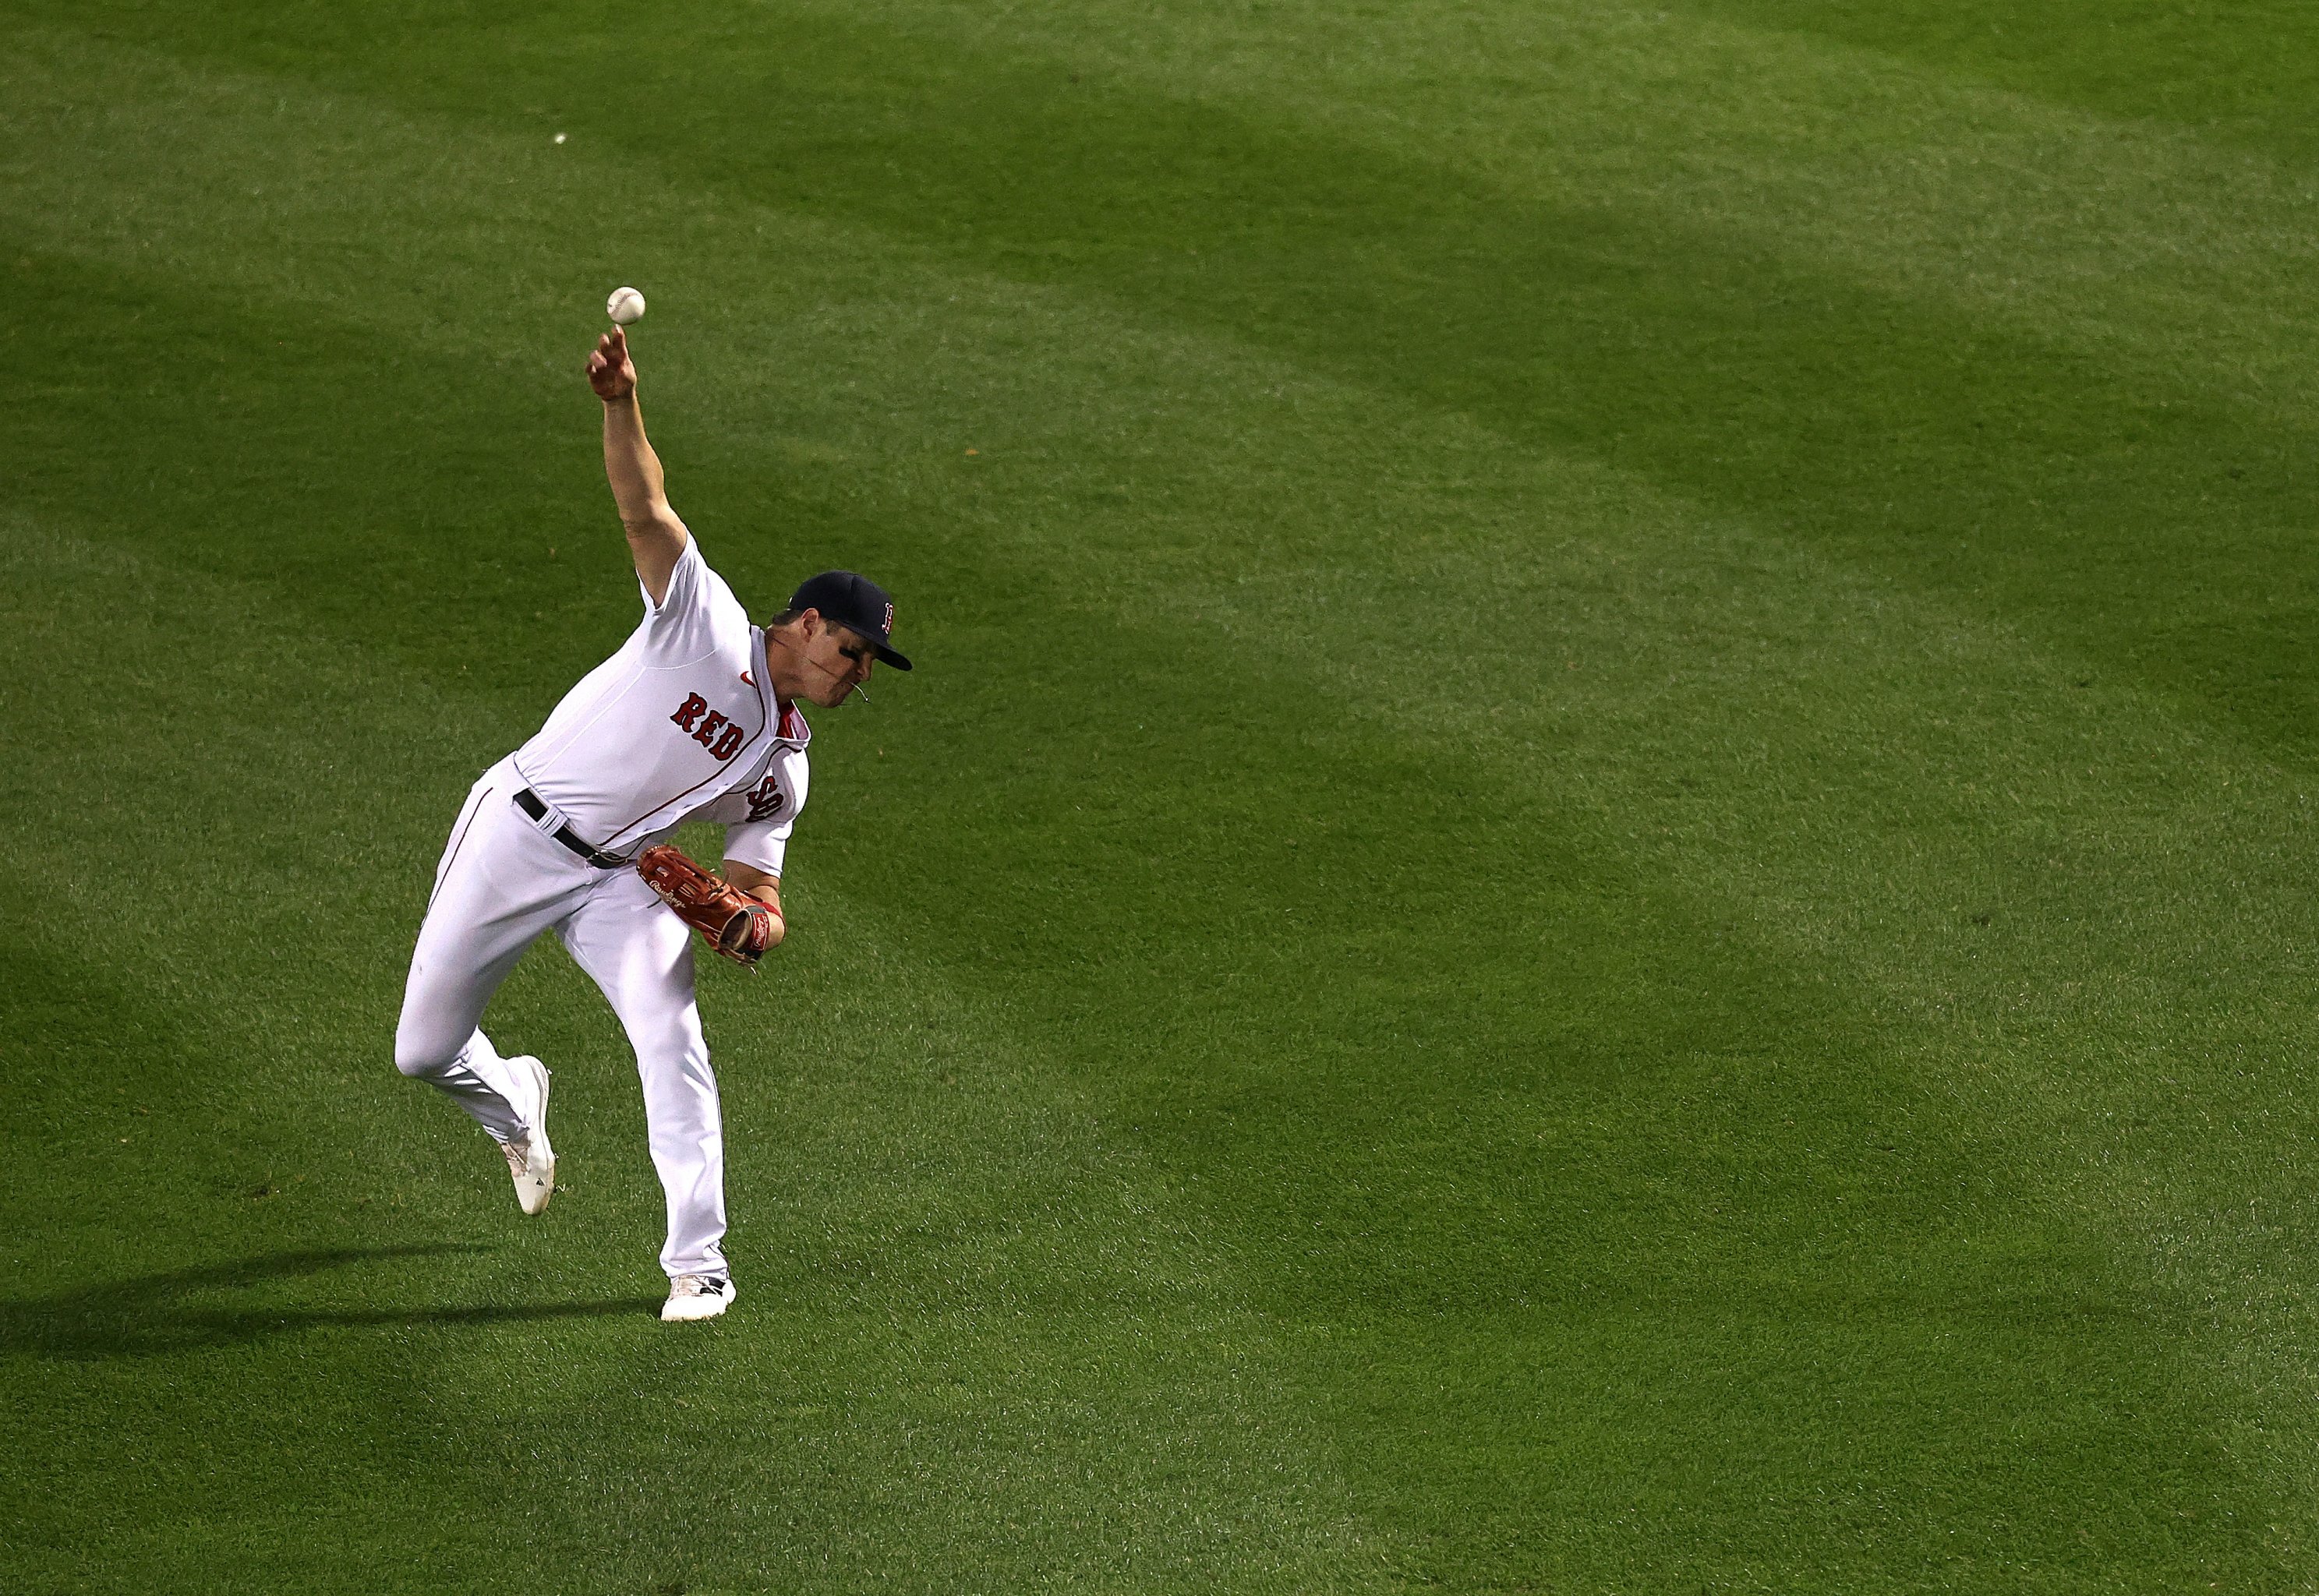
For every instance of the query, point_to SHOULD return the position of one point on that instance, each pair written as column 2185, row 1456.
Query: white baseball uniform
column 677, row 725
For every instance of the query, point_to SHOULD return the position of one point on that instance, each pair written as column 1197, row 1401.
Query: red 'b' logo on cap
column 890, row 616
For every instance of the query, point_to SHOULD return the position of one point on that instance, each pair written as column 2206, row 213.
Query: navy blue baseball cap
column 854, row 602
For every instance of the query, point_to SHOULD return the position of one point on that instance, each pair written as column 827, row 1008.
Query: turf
column 1598, row 879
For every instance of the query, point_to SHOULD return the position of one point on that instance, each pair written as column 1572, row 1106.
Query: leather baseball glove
column 735, row 925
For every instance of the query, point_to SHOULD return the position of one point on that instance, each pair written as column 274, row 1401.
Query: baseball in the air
column 625, row 306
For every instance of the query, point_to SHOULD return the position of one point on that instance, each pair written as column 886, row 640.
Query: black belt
column 529, row 803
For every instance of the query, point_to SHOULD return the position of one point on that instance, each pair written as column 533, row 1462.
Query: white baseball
column 625, row 306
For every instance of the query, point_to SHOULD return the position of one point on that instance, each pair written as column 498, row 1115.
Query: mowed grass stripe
column 1676, row 938
column 2236, row 76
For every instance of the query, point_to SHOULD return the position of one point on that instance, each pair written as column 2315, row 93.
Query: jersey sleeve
column 685, row 625
column 762, row 844
column 765, row 843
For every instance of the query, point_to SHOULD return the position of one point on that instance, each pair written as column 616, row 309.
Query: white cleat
column 696, row 1296
column 531, row 1161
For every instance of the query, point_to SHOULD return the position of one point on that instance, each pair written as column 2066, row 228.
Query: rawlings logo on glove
column 737, row 924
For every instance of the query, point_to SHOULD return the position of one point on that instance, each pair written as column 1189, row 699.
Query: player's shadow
column 188, row 1310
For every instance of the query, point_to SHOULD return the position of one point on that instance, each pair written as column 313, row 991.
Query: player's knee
column 415, row 1059
column 674, row 1055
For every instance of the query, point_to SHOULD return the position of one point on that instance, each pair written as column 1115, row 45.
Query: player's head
column 838, row 624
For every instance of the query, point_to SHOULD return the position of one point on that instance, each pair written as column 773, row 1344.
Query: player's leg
column 496, row 890
column 641, row 956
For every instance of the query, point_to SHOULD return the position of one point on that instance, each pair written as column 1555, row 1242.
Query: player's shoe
column 696, row 1296
column 531, row 1160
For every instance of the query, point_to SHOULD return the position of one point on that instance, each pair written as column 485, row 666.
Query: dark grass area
column 1576, row 898
column 2239, row 75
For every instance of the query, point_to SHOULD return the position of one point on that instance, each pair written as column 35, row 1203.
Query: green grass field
column 1600, row 878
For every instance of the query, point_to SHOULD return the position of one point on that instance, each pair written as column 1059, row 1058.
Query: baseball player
column 695, row 718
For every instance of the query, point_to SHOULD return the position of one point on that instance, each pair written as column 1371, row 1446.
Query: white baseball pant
column 503, row 882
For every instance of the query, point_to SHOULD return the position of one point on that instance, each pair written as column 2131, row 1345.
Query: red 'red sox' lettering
column 710, row 727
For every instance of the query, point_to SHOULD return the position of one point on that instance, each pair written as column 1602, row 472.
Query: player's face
column 842, row 659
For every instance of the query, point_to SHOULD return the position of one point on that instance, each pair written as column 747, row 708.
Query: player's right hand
column 611, row 372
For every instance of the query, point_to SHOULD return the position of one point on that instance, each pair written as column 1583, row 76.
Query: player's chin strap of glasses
column 531, row 804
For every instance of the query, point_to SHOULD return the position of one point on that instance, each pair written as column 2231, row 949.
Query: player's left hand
column 737, row 924
column 611, row 372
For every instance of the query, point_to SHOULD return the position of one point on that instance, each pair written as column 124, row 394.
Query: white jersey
column 677, row 725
